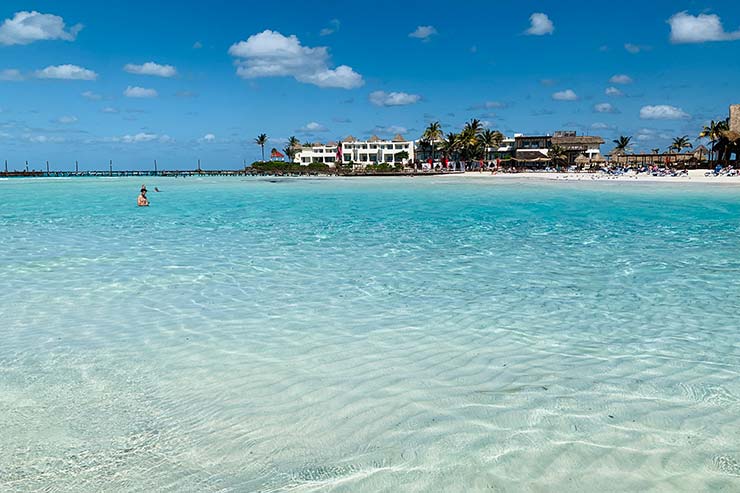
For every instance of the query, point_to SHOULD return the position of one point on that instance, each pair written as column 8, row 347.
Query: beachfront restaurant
column 669, row 159
column 532, row 150
column 575, row 146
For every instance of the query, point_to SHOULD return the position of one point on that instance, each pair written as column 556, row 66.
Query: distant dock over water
column 202, row 173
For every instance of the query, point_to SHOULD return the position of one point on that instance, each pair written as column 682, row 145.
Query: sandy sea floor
column 438, row 334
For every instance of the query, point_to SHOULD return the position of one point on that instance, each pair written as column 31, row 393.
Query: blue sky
column 210, row 76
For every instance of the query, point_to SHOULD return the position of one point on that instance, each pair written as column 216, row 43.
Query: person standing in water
column 142, row 201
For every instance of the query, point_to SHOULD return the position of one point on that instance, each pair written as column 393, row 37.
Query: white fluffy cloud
column 139, row 92
column 621, row 79
column 208, row 138
column 67, row 119
column 312, row 127
column 382, row 98
column 270, row 54
column 601, row 126
column 389, row 130
column 604, row 108
column 92, row 96
column 663, row 112
column 423, row 33
column 613, row 91
column 44, row 139
column 567, row 95
column 488, row 105
column 151, row 68
column 687, row 28
column 67, row 72
column 540, row 24
column 26, row 27
column 140, row 137
column 331, row 29
column 109, row 109
column 11, row 74
column 651, row 135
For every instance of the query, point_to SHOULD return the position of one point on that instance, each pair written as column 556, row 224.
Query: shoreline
column 694, row 176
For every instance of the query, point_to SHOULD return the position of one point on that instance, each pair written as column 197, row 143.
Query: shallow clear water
column 430, row 334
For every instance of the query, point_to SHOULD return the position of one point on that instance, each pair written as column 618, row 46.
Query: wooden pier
column 185, row 173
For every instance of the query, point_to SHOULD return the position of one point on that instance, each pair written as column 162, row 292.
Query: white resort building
column 317, row 153
column 359, row 152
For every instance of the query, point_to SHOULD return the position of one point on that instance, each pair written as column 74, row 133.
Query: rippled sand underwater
column 368, row 335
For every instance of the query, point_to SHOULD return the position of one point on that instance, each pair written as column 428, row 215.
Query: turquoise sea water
column 431, row 334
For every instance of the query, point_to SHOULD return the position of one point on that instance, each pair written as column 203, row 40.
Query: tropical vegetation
column 431, row 136
column 473, row 142
column 680, row 143
column 280, row 167
column 261, row 140
column 622, row 144
column 716, row 132
column 558, row 155
column 291, row 149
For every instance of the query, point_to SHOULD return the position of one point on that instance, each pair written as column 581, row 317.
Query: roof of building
column 350, row 138
column 732, row 135
column 576, row 140
column 399, row 138
column 532, row 155
column 374, row 138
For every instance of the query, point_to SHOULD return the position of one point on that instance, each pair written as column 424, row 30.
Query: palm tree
column 713, row 132
column 432, row 134
column 293, row 145
column 469, row 139
column 261, row 140
column 655, row 150
column 726, row 146
column 622, row 144
column 450, row 145
column 680, row 143
column 558, row 155
column 490, row 139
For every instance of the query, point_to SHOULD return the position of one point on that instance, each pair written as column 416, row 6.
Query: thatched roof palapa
column 583, row 140
column 732, row 135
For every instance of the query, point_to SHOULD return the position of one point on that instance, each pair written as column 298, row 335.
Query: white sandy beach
column 694, row 176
